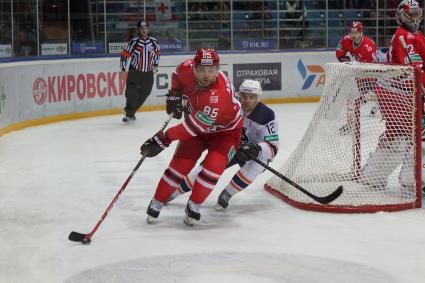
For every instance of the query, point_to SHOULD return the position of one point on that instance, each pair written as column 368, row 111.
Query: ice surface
column 59, row 178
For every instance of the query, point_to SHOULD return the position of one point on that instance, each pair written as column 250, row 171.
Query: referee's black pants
column 138, row 87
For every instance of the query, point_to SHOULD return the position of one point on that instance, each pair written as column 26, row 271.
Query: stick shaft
column 89, row 235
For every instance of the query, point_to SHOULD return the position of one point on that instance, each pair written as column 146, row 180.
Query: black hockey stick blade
column 78, row 237
column 322, row 200
column 331, row 197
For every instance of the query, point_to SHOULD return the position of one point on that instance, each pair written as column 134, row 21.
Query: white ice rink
column 59, row 178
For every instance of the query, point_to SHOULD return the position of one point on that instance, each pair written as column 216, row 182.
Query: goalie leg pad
column 407, row 172
column 387, row 157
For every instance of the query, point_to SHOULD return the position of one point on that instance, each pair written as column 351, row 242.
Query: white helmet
column 251, row 86
column 409, row 15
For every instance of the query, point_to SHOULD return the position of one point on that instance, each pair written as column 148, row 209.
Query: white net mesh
column 362, row 136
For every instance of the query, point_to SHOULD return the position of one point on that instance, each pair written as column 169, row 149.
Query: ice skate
column 223, row 200
column 192, row 213
column 126, row 120
column 153, row 210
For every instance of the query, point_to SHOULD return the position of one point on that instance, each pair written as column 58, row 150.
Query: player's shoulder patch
column 185, row 65
column 346, row 38
column 262, row 114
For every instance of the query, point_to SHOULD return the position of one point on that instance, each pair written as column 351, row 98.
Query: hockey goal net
column 375, row 156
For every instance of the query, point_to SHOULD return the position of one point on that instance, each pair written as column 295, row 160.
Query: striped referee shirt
column 144, row 54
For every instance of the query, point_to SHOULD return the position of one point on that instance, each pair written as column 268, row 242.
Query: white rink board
column 36, row 89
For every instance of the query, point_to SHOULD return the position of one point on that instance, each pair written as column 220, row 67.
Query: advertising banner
column 5, row 50
column 116, row 47
column 170, row 46
column 255, row 44
column 268, row 74
column 36, row 89
column 304, row 73
column 88, row 48
column 54, row 48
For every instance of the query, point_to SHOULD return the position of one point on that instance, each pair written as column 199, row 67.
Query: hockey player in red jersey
column 396, row 140
column 409, row 16
column 362, row 49
column 213, row 122
column 358, row 45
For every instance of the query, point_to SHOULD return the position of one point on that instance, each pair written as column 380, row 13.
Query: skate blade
column 188, row 221
column 150, row 219
column 218, row 207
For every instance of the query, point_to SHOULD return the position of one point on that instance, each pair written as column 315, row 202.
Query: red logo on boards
column 39, row 91
column 65, row 88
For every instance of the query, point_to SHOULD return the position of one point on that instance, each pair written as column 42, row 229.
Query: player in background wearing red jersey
column 359, row 48
column 213, row 122
column 395, row 146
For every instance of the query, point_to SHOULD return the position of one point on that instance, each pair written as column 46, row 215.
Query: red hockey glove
column 247, row 151
column 153, row 146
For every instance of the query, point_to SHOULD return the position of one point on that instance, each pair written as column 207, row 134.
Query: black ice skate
column 192, row 213
column 223, row 200
column 127, row 120
column 153, row 210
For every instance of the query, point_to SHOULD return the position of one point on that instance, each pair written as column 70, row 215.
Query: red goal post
column 378, row 160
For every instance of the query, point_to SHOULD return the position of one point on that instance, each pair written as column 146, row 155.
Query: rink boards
column 45, row 91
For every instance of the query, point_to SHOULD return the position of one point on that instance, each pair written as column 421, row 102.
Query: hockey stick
column 86, row 238
column 403, row 43
column 323, row 200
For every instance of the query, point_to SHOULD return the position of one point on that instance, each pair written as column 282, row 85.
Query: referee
column 144, row 53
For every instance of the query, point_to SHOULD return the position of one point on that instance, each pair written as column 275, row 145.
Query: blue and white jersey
column 260, row 127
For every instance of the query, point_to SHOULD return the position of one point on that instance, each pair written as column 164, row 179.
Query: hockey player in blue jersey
column 260, row 138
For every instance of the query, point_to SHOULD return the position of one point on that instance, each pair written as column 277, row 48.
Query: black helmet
column 142, row 23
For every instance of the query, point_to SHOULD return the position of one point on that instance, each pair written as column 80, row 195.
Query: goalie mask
column 250, row 94
column 409, row 15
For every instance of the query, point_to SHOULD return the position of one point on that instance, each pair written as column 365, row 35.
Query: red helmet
column 356, row 26
column 206, row 57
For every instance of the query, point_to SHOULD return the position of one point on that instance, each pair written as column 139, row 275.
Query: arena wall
column 44, row 91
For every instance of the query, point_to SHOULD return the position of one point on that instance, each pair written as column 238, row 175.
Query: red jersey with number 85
column 212, row 109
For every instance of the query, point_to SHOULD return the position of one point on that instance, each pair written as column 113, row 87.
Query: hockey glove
column 344, row 59
column 174, row 104
column 153, row 146
column 247, row 151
